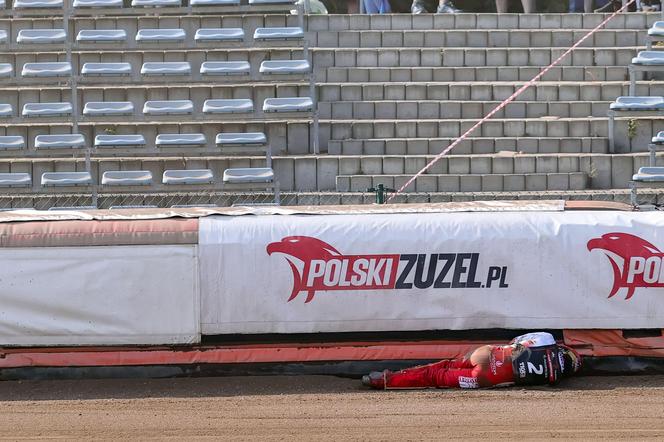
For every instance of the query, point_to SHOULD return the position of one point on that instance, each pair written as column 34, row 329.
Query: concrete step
column 462, row 74
column 479, row 145
column 467, row 183
column 434, row 110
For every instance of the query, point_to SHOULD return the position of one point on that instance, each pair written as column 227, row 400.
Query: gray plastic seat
column 6, row 110
column 97, row 3
column 28, row 4
column 126, row 178
column 219, row 34
column 172, row 140
column 649, row 174
column 41, row 36
column 658, row 139
column 228, row 106
column 106, row 69
column 241, row 139
column 46, row 109
column 66, row 179
column 101, row 35
column 271, row 2
column 288, row 33
column 11, row 142
column 225, row 68
column 155, row 3
column 190, row 176
column 119, row 140
column 168, row 107
column 3, row 36
column 160, row 35
column 657, row 29
column 6, row 70
column 166, row 68
column 15, row 179
column 649, row 58
column 291, row 104
column 245, row 175
column 638, row 103
column 47, row 69
column 60, row 141
column 285, row 67
column 98, row 108
column 214, row 2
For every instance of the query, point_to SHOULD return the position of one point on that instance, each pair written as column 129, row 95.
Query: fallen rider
column 530, row 359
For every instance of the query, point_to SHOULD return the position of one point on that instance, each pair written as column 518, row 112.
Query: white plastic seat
column 46, row 109
column 658, row 139
column 160, row 35
column 214, row 2
column 219, row 34
column 97, row 3
column 10, row 142
column 225, row 68
column 101, row 35
column 649, row 174
column 155, row 3
column 47, row 69
column 638, row 103
column 97, row 108
column 228, row 106
column 60, row 141
column 41, row 36
column 657, row 29
column 649, row 58
column 241, row 139
column 285, row 67
column 6, row 110
column 119, row 140
column 171, row 140
column 66, row 179
column 168, row 107
column 15, row 179
column 245, row 175
column 106, row 69
column 28, row 4
column 126, row 178
column 166, row 68
column 271, row 2
column 190, row 176
column 291, row 104
column 6, row 70
column 288, row 33
column 3, row 36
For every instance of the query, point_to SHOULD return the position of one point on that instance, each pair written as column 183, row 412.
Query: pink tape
column 507, row 101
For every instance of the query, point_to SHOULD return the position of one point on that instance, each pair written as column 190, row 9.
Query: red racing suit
column 528, row 359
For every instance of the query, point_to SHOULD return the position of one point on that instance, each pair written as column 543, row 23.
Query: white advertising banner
column 526, row 270
column 111, row 295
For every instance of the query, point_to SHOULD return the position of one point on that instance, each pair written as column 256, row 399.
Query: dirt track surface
column 327, row 408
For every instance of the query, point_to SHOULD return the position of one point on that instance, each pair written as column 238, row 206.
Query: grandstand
column 167, row 103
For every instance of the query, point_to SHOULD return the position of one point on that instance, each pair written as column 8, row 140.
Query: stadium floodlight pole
column 507, row 101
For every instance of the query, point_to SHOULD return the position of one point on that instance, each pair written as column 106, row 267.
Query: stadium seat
column 47, row 69
column 126, row 178
column 155, row 3
column 11, row 142
column 30, row 4
column 3, row 36
column 6, row 110
column 168, row 107
column 46, row 109
column 228, row 106
column 658, row 139
column 166, row 68
column 6, row 70
column 101, row 35
column 271, row 2
column 649, row 174
column 177, row 140
column 106, row 69
column 16, row 179
column 285, row 67
column 41, row 36
column 219, row 34
column 214, row 2
column 241, row 139
column 655, row 34
column 649, row 58
column 225, row 68
column 97, row 3
column 134, row 206
column 64, row 141
column 645, row 61
column 66, row 179
column 101, row 108
column 247, row 175
column 69, row 208
column 637, row 103
column 290, row 33
column 119, row 141
column 160, row 35
column 191, row 176
column 292, row 104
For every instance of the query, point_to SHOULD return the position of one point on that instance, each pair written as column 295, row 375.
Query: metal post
column 632, row 194
column 632, row 80
column 652, row 159
column 612, row 141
